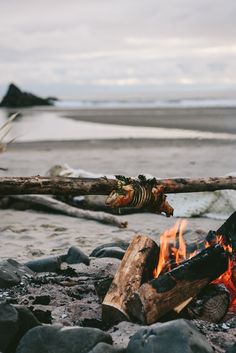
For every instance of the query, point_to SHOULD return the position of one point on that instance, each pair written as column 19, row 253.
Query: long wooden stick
column 72, row 211
column 103, row 186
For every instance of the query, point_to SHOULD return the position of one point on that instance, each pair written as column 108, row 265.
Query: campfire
column 154, row 282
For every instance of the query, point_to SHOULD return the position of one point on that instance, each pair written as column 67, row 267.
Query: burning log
column 226, row 235
column 136, row 267
column 228, row 231
column 178, row 286
column 211, row 304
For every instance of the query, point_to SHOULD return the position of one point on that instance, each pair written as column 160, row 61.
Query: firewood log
column 136, row 268
column 211, row 304
column 171, row 289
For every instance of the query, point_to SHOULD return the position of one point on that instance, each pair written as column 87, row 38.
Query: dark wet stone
column 75, row 256
column 15, row 321
column 53, row 263
column 106, row 348
column 178, row 336
column 43, row 313
column 42, row 299
column 47, row 264
column 114, row 252
column 15, row 98
column 119, row 244
column 11, row 273
column 46, row 339
column 9, row 326
column 27, row 319
column 102, row 287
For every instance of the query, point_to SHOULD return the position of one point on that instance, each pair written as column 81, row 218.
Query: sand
column 28, row 234
column 220, row 120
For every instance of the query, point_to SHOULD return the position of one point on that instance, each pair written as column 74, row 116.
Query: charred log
column 174, row 289
column 211, row 304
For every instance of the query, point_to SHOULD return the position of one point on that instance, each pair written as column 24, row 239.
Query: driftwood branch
column 104, row 186
column 61, row 207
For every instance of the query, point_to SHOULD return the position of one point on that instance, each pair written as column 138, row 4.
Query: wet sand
column 202, row 119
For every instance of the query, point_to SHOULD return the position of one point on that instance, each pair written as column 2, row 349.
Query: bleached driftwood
column 59, row 206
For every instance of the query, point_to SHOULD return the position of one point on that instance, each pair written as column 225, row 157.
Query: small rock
column 9, row 326
column 15, row 321
column 119, row 244
column 47, row 264
column 42, row 299
column 115, row 252
column 46, row 339
column 106, row 348
column 43, row 313
column 11, row 273
column 75, row 256
column 101, row 287
column 27, row 319
column 178, row 336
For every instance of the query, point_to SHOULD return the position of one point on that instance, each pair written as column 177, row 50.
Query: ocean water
column 141, row 103
column 50, row 123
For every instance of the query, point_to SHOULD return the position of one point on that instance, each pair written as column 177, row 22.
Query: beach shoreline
column 30, row 234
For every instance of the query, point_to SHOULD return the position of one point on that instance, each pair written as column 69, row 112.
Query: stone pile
column 58, row 309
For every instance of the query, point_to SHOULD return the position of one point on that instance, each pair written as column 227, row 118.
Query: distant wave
column 174, row 103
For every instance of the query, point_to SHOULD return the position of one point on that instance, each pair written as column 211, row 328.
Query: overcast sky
column 59, row 47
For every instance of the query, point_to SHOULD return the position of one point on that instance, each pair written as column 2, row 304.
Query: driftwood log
column 136, row 267
column 71, row 211
column 104, row 186
column 171, row 289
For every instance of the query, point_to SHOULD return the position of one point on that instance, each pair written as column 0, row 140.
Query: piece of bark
column 104, row 186
column 211, row 304
column 171, row 289
column 59, row 206
column 136, row 267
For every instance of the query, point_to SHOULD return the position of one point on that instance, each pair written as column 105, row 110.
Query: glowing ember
column 173, row 252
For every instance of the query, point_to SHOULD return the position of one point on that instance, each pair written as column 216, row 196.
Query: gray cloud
column 53, row 44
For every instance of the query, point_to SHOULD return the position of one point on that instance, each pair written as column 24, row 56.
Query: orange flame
column 228, row 278
column 173, row 252
column 169, row 252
